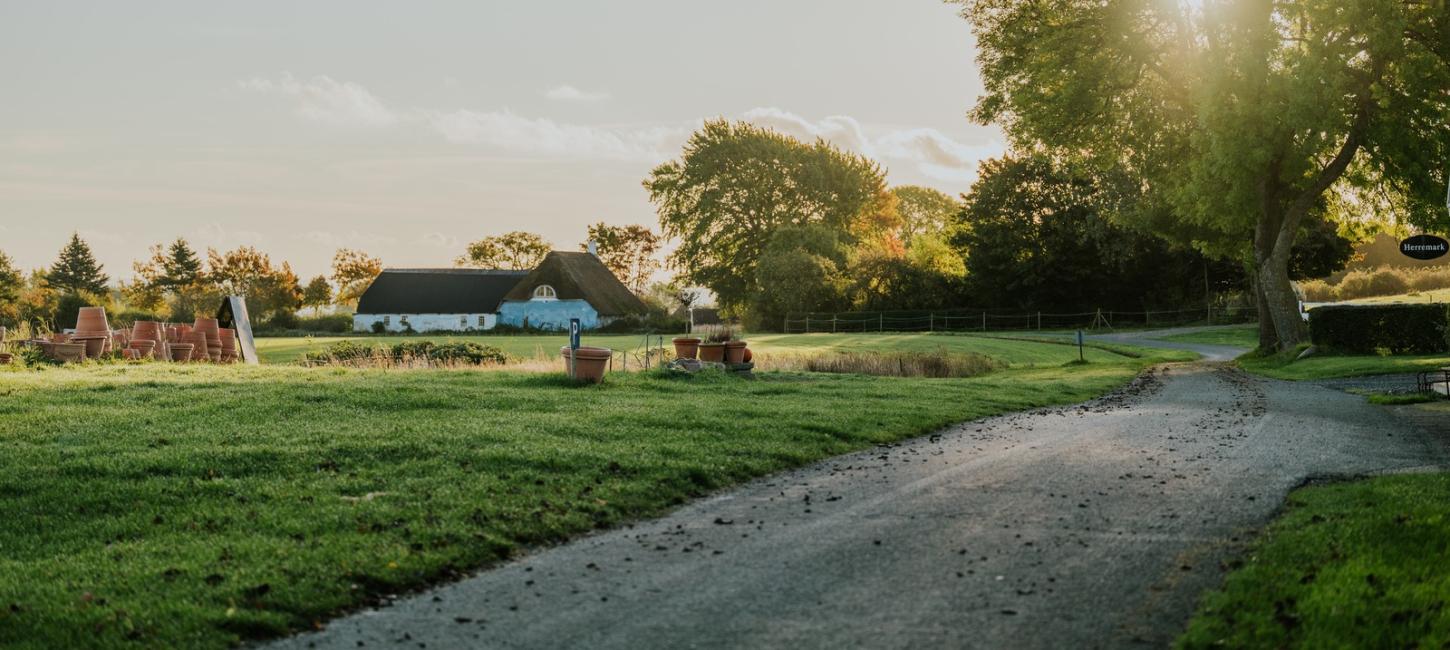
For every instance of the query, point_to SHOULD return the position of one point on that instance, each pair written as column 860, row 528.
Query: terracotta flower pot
column 208, row 325
column 144, row 349
column 95, row 346
column 712, row 352
column 200, row 348
column 748, row 355
column 69, row 352
column 92, row 319
column 686, row 347
column 59, row 338
column 735, row 352
column 131, row 354
column 181, row 352
column 228, row 338
column 146, row 330
column 589, row 363
column 5, row 358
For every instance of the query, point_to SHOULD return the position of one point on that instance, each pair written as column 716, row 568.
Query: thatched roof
column 437, row 291
column 580, row 276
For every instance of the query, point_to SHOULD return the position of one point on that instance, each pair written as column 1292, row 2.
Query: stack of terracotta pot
column 203, row 341
column 209, row 328
column 93, row 331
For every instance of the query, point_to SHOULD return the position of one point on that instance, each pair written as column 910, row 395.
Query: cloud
column 351, row 239
column 928, row 151
column 328, row 101
column 215, row 235
column 567, row 93
column 507, row 130
column 439, row 240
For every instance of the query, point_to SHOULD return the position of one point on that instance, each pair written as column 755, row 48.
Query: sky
column 407, row 129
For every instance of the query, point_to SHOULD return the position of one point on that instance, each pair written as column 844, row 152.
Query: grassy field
column 1331, row 366
column 290, row 350
column 1349, row 565
column 1240, row 336
column 198, row 507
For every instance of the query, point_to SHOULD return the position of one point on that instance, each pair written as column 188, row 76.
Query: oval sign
column 1425, row 247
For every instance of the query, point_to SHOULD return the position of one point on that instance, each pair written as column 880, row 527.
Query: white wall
column 424, row 322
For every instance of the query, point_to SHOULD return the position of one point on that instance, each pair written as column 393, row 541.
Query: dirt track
column 1088, row 526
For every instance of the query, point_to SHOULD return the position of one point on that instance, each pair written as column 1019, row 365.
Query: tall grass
column 1378, row 282
column 937, row 364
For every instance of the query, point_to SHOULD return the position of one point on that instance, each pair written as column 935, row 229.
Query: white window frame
column 545, row 293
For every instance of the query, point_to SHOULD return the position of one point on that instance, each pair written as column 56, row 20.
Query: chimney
column 593, row 248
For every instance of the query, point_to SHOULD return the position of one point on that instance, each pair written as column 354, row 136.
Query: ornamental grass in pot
column 589, row 363
column 718, row 339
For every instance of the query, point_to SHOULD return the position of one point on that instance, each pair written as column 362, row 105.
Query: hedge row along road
column 1090, row 526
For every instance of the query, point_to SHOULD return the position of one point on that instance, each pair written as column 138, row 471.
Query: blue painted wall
column 547, row 314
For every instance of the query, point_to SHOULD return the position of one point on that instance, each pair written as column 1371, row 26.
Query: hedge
column 1371, row 329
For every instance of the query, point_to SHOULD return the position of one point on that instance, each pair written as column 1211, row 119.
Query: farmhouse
column 565, row 285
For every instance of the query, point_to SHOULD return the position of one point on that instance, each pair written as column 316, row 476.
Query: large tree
column 924, row 211
column 517, row 250
column 248, row 272
column 11, row 285
column 736, row 184
column 76, row 269
column 1241, row 119
column 352, row 272
column 317, row 294
column 629, row 251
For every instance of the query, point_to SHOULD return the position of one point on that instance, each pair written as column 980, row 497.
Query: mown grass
column 1327, row 366
column 1238, row 336
column 1015, row 353
column 1349, row 565
column 170, row 506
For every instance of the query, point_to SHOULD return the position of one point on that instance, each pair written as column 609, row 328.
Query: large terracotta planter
column 69, row 352
column 200, row 346
column 5, row 358
column 735, row 352
column 686, row 347
column 144, row 349
column 95, row 346
column 181, row 352
column 92, row 320
column 146, row 330
column 589, row 363
column 712, row 352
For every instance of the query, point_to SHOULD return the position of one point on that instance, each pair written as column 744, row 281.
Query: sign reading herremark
column 1425, row 247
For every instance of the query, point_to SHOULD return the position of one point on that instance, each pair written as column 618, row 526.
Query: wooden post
column 931, row 322
column 833, row 323
column 1039, row 321
column 984, row 321
column 880, row 323
column 808, row 322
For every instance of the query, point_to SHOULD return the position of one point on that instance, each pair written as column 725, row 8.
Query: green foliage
column 799, row 270
column 737, row 184
column 516, row 250
column 76, row 269
column 1348, row 565
column 628, row 251
column 11, row 284
column 317, row 293
column 180, row 266
column 1401, row 399
column 924, row 211
column 1396, row 329
column 463, row 352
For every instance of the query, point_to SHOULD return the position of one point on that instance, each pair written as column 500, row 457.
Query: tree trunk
column 1278, row 304
column 1268, row 337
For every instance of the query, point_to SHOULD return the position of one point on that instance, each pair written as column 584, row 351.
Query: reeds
column 935, row 364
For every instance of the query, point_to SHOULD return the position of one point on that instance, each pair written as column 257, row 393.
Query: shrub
column 1388, row 282
column 282, row 320
column 938, row 364
column 651, row 323
column 326, row 323
column 409, row 353
column 1368, row 329
column 1430, row 279
column 1317, row 291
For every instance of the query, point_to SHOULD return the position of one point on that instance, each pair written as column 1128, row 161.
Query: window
column 463, row 322
column 545, row 292
column 387, row 320
column 481, row 321
column 403, row 320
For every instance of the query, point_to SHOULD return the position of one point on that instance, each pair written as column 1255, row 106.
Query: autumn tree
column 736, row 185
column 11, row 284
column 515, row 250
column 76, row 269
column 1239, row 120
column 317, row 294
column 249, row 273
column 629, row 252
column 352, row 272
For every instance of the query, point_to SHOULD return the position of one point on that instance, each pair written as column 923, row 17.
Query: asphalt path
column 1093, row 526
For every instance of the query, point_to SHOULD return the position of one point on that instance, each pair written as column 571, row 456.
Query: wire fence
column 989, row 320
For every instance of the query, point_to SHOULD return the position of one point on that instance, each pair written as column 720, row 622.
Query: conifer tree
column 77, row 270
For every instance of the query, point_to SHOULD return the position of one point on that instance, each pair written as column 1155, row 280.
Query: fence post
column 984, row 321
column 931, row 322
column 1147, row 318
column 808, row 322
column 880, row 323
column 1039, row 321
column 833, row 323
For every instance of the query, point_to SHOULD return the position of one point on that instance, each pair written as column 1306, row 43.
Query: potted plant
column 589, row 363
column 716, row 340
column 686, row 347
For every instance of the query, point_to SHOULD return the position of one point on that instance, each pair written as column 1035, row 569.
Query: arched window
column 545, row 292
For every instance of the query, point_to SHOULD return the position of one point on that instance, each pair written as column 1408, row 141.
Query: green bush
column 466, row 352
column 1369, row 329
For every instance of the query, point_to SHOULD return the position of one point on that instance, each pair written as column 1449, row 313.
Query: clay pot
column 208, row 325
column 712, row 352
column 748, row 355
column 144, row 349
column 92, row 319
column 181, row 352
column 69, row 352
column 735, row 352
column 686, row 347
column 146, row 330
column 200, row 346
column 59, row 338
column 95, row 346
column 5, row 358
column 131, row 354
column 229, row 341
column 589, row 363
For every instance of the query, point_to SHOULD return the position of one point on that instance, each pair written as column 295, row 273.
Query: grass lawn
column 197, row 507
column 1349, row 565
column 1331, row 366
column 288, row 350
column 1238, row 336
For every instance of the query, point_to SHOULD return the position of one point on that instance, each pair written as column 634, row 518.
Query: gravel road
column 1088, row 527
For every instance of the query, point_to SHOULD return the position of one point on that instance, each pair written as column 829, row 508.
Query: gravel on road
column 1090, row 526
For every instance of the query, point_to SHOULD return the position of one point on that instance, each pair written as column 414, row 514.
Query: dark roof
column 580, row 276
column 437, row 291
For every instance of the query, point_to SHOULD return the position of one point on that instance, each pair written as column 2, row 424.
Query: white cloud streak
column 325, row 100
column 567, row 93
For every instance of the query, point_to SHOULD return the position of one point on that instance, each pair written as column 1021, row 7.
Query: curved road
column 1089, row 526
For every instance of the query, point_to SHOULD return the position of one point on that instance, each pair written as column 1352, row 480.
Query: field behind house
column 201, row 506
